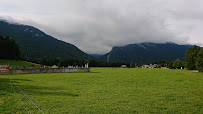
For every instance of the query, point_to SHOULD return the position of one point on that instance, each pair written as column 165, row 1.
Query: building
column 150, row 66
column 123, row 66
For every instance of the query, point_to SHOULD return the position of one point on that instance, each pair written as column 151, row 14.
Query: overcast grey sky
column 95, row 26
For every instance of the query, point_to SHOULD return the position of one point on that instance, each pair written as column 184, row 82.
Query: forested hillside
column 147, row 52
column 34, row 43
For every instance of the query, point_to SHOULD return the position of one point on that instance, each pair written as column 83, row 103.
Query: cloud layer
column 95, row 26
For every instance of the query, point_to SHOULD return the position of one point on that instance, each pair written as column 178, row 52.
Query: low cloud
column 96, row 26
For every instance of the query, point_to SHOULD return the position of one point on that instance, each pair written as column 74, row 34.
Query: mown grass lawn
column 105, row 90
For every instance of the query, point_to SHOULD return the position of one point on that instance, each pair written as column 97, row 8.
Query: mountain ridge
column 146, row 52
column 34, row 43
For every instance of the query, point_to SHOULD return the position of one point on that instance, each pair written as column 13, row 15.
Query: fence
column 44, row 70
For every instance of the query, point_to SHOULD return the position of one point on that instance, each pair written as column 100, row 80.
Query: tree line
column 193, row 60
column 63, row 62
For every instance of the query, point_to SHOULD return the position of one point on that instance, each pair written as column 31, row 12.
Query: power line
column 19, row 98
column 28, row 97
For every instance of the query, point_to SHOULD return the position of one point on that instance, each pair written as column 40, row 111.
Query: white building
column 150, row 66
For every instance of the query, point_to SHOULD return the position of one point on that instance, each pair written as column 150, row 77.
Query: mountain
column 146, row 52
column 36, row 44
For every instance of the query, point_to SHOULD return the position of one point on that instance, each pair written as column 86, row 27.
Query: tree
column 191, row 56
column 131, row 65
column 170, row 65
column 135, row 65
column 199, row 61
column 9, row 48
column 177, row 64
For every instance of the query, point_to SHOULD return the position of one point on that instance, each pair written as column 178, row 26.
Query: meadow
column 19, row 64
column 104, row 90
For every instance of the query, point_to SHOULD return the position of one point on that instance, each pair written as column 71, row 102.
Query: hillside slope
column 36, row 44
column 146, row 52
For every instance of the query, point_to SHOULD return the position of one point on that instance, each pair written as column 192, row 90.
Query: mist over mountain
column 146, row 52
column 36, row 44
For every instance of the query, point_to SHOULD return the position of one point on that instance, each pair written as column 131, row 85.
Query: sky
column 95, row 26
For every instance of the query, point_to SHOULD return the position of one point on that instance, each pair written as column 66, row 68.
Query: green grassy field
column 105, row 90
column 18, row 64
